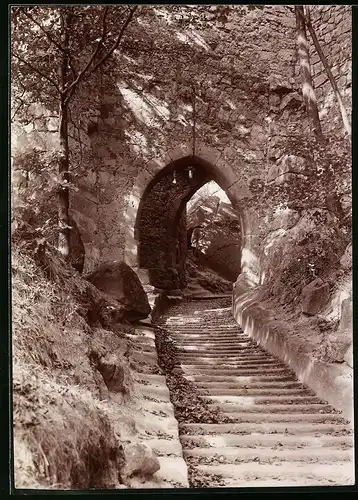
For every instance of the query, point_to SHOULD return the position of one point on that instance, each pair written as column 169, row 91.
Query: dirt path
column 280, row 433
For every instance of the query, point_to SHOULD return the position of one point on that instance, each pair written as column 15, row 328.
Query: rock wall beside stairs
column 296, row 342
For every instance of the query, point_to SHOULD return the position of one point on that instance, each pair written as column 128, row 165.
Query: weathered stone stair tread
column 261, row 416
column 214, row 341
column 234, row 371
column 276, row 385
column 173, row 472
column 161, row 392
column 227, row 357
column 244, row 347
column 283, row 408
column 255, row 470
column 269, row 391
column 249, row 363
column 282, row 482
column 150, row 378
column 253, row 440
column 323, row 455
column 280, row 433
column 280, row 427
column 164, row 447
column 253, row 400
column 242, row 379
column 210, row 351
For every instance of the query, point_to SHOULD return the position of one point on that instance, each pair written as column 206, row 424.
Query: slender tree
column 309, row 94
column 332, row 80
column 50, row 62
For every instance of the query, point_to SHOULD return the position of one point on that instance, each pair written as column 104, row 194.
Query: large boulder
column 121, row 283
column 139, row 460
column 315, row 297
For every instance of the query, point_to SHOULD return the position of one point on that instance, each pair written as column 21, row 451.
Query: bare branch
column 117, row 42
column 69, row 90
column 50, row 80
column 22, row 103
column 332, row 80
column 49, row 37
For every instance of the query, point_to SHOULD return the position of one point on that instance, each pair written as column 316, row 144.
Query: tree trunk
column 63, row 192
column 64, row 162
column 342, row 108
column 309, row 95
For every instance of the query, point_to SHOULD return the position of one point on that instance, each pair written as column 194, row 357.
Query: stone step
column 287, row 473
column 241, row 379
column 212, row 352
column 207, row 345
column 234, row 371
column 159, row 393
column 242, row 352
column 209, row 337
column 204, row 332
column 231, row 361
column 285, row 441
column 287, row 428
column 296, row 417
column 164, row 447
column 264, row 399
column 221, row 385
column 267, row 391
column 173, row 470
column 199, row 328
column 262, row 408
column 267, row 455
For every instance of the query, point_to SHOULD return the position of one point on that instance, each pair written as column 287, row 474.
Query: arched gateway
column 155, row 238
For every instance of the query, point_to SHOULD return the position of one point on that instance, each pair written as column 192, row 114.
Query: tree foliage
column 55, row 49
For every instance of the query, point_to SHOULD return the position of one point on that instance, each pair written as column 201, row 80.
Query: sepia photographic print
column 181, row 249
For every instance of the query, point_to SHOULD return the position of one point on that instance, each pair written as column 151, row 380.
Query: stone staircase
column 281, row 433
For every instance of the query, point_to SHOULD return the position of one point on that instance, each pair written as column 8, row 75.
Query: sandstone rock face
column 139, row 460
column 346, row 259
column 284, row 219
column 122, row 284
column 219, row 237
column 314, row 297
column 346, row 315
column 348, row 357
column 337, row 346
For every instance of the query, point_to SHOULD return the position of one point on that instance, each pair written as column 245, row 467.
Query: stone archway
column 209, row 165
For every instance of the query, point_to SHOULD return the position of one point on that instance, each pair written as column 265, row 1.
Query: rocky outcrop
column 121, row 284
column 314, row 297
column 219, row 237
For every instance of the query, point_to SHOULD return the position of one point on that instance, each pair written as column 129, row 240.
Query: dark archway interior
column 161, row 225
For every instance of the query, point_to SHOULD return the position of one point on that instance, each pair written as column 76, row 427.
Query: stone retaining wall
column 332, row 382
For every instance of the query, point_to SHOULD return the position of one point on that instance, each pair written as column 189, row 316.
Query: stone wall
column 148, row 113
column 247, row 96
